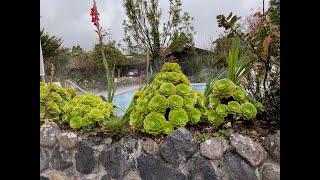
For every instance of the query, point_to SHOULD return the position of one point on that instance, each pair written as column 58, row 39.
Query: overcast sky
column 70, row 19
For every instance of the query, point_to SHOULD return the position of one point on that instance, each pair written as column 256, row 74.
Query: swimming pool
column 123, row 100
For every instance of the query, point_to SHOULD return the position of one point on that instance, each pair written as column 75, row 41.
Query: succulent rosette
column 175, row 101
column 194, row 116
column 167, row 89
column 248, row 110
column 223, row 88
column 171, row 67
column 222, row 110
column 239, row 94
column 136, row 120
column 168, row 128
column 158, row 103
column 183, row 90
column 214, row 119
column 234, row 107
column 188, row 103
column 178, row 117
column 154, row 123
column 213, row 101
column 174, row 77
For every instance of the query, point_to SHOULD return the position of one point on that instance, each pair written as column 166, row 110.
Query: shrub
column 227, row 98
column 52, row 99
column 87, row 110
column 167, row 103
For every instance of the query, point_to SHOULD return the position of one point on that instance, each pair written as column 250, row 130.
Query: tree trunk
column 156, row 64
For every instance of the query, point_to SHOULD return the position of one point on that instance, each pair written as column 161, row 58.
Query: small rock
column 57, row 175
column 108, row 141
column 61, row 159
column 272, row 144
column 85, row 160
column 67, row 140
column 132, row 175
column 120, row 157
column 232, row 166
column 248, row 149
column 214, row 148
column 44, row 159
column 270, row 171
column 200, row 168
column 48, row 134
column 106, row 177
column 44, row 178
column 151, row 167
column 178, row 147
column 151, row 147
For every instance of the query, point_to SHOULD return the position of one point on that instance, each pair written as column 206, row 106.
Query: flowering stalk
column 110, row 74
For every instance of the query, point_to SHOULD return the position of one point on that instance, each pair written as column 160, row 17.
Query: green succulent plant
column 222, row 110
column 234, row 107
column 174, row 77
column 168, row 128
column 183, row 90
column 248, row 110
column 194, row 116
column 188, row 103
column 239, row 94
column 154, row 123
column 175, row 101
column 52, row 100
column 136, row 120
column 158, row 103
column 167, row 89
column 214, row 118
column 223, row 88
column 171, row 67
column 178, row 117
column 87, row 110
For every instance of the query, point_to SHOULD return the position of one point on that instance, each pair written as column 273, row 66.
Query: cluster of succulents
column 87, row 111
column 167, row 103
column 52, row 98
column 228, row 98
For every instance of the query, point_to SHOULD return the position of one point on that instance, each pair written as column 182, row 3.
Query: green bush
column 52, row 99
column 87, row 111
column 228, row 98
column 167, row 103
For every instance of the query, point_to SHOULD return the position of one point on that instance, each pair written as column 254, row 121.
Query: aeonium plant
column 227, row 99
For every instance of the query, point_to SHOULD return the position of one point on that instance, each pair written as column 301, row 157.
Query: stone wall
column 64, row 155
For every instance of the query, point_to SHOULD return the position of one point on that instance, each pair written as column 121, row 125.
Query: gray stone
column 178, row 147
column 48, row 134
column 270, row 171
column 151, row 147
column 248, row 149
column 44, row 178
column 85, row 160
column 120, row 157
column 108, row 141
column 57, row 175
column 132, row 175
column 272, row 144
column 67, row 140
column 44, row 159
column 233, row 166
column 106, row 177
column 200, row 168
column 61, row 159
column 214, row 148
column 152, row 168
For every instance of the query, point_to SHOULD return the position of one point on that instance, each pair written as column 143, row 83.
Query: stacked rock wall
column 64, row 155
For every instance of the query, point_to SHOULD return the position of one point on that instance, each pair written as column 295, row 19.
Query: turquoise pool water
column 123, row 100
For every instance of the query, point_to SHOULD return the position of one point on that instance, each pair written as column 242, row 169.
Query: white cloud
column 70, row 18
